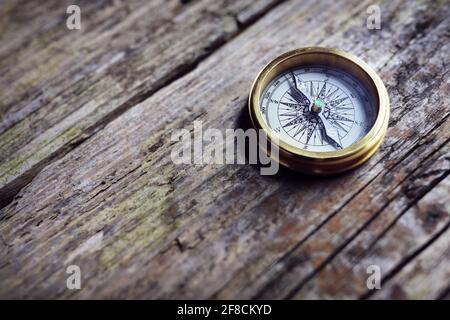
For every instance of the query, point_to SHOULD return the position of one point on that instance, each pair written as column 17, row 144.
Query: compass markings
column 335, row 123
column 335, row 116
column 335, row 103
column 296, row 118
column 312, row 93
column 301, row 130
column 288, row 114
column 310, row 131
column 320, row 135
column 322, row 91
column 290, row 98
column 336, row 108
column 344, row 107
column 295, row 121
column 329, row 96
column 297, row 96
column 290, row 105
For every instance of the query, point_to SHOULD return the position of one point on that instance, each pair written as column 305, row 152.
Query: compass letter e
column 73, row 21
column 374, row 19
column 374, row 280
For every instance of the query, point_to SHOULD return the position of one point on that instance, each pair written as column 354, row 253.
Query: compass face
column 318, row 108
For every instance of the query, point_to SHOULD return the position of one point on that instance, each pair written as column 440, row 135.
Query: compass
column 326, row 110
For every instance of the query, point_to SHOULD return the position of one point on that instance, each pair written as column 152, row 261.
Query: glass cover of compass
column 318, row 108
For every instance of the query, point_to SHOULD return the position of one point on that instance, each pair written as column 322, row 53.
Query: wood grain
column 108, row 198
column 66, row 85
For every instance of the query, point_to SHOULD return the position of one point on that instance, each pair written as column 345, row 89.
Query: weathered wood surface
column 125, row 52
column 87, row 179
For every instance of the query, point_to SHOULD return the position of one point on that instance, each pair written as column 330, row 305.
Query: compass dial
column 318, row 108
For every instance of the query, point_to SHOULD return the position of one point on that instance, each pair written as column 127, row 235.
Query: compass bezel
column 328, row 162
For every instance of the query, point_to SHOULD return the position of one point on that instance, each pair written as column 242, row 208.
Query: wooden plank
column 64, row 85
column 379, row 245
column 268, row 278
column 140, row 226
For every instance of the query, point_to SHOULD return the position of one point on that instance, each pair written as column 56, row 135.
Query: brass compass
column 325, row 109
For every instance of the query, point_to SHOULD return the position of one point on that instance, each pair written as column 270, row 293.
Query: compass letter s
column 374, row 19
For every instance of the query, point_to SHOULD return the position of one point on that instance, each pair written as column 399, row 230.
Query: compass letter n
column 374, row 19
column 74, row 20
